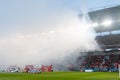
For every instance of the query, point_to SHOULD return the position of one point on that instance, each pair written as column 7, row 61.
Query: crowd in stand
column 104, row 63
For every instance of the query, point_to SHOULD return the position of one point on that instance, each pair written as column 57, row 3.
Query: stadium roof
column 106, row 19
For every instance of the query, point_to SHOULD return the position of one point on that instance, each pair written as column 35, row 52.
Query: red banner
column 47, row 68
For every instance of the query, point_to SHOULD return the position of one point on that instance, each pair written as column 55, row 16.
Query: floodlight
column 94, row 24
column 107, row 23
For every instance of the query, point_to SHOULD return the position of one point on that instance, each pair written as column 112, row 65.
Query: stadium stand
column 102, row 63
column 108, row 37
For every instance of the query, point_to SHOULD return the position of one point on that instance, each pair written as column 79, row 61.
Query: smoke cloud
column 56, row 38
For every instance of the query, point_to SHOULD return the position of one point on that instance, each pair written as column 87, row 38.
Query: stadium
column 95, row 65
column 106, row 24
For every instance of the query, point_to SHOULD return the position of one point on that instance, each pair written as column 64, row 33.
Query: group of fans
column 27, row 68
column 97, row 62
column 108, row 62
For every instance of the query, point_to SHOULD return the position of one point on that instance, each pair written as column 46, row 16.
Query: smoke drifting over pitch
column 53, row 40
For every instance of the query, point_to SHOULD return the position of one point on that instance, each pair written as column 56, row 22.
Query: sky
column 45, row 30
column 20, row 15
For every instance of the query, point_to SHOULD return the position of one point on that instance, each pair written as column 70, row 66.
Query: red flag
column 46, row 68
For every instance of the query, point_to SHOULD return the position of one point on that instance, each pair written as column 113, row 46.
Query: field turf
column 61, row 76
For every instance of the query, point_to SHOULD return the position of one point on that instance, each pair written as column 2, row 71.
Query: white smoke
column 58, row 37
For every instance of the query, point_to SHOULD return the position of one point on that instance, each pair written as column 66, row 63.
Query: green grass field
column 61, row 76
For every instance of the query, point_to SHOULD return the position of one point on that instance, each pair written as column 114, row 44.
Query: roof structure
column 106, row 14
column 107, row 24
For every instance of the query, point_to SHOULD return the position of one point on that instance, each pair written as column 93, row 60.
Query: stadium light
column 95, row 24
column 107, row 23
